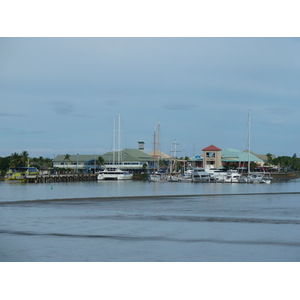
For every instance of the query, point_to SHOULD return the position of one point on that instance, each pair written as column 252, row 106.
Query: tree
column 100, row 161
column 15, row 160
column 67, row 157
column 270, row 158
column 24, row 158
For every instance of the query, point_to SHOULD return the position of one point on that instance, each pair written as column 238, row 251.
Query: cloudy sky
column 62, row 95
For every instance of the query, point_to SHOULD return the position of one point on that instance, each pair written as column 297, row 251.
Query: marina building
column 131, row 160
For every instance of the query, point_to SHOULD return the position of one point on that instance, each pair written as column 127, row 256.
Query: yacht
column 216, row 175
column 114, row 174
column 259, row 177
column 200, row 175
column 154, row 177
column 232, row 176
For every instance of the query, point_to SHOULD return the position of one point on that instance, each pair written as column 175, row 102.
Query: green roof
column 128, row 155
column 230, row 154
column 73, row 158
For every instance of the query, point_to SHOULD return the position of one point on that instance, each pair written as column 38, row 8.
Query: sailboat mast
column 249, row 116
column 119, row 141
column 114, row 142
column 154, row 156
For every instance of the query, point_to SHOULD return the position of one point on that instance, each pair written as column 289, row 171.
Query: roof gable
column 212, row 148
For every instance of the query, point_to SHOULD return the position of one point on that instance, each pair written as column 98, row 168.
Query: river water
column 137, row 221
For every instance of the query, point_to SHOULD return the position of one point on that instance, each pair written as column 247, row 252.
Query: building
column 212, row 157
column 131, row 160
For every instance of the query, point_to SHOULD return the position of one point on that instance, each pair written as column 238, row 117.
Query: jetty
column 62, row 178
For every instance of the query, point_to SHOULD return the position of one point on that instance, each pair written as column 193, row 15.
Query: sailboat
column 114, row 172
column 254, row 177
column 154, row 177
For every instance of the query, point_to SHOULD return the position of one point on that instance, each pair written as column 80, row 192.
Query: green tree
column 67, row 158
column 100, row 161
column 270, row 158
column 15, row 160
column 24, row 158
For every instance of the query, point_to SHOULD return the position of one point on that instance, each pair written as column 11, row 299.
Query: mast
column 154, row 156
column 158, row 145
column 114, row 142
column 119, row 141
column 249, row 115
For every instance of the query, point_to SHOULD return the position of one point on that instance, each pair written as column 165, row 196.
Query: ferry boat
column 20, row 174
column 114, row 174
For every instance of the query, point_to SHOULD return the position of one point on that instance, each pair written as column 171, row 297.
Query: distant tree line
column 285, row 163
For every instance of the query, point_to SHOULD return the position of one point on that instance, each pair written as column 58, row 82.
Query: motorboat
column 257, row 177
column 114, row 174
column 154, row 177
column 216, row 175
column 200, row 175
column 232, row 176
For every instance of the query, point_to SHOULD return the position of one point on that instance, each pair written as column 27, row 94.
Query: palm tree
column 100, row 161
column 24, row 158
column 67, row 157
column 15, row 160
column 48, row 162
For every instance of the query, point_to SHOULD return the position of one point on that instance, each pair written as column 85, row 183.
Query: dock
column 61, row 178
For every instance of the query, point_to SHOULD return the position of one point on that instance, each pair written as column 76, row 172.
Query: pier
column 62, row 178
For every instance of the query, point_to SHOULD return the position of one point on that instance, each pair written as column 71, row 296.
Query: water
column 137, row 221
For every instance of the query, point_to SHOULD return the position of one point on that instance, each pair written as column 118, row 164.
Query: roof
column 129, row 155
column 73, row 158
column 211, row 148
column 264, row 157
column 160, row 154
column 229, row 154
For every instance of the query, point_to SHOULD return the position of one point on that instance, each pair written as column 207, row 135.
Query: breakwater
column 63, row 178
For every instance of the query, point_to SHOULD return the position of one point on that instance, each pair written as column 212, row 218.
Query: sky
column 62, row 95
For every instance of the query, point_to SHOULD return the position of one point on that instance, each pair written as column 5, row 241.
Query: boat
column 254, row 177
column 173, row 178
column 114, row 174
column 186, row 176
column 215, row 174
column 200, row 175
column 257, row 177
column 232, row 176
column 20, row 174
column 154, row 177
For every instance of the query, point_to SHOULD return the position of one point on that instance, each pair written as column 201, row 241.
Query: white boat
column 215, row 174
column 200, row 175
column 254, row 177
column 114, row 174
column 257, row 177
column 154, row 177
column 232, row 176
column 173, row 178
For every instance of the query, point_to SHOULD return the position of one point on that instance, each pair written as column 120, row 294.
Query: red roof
column 211, row 148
